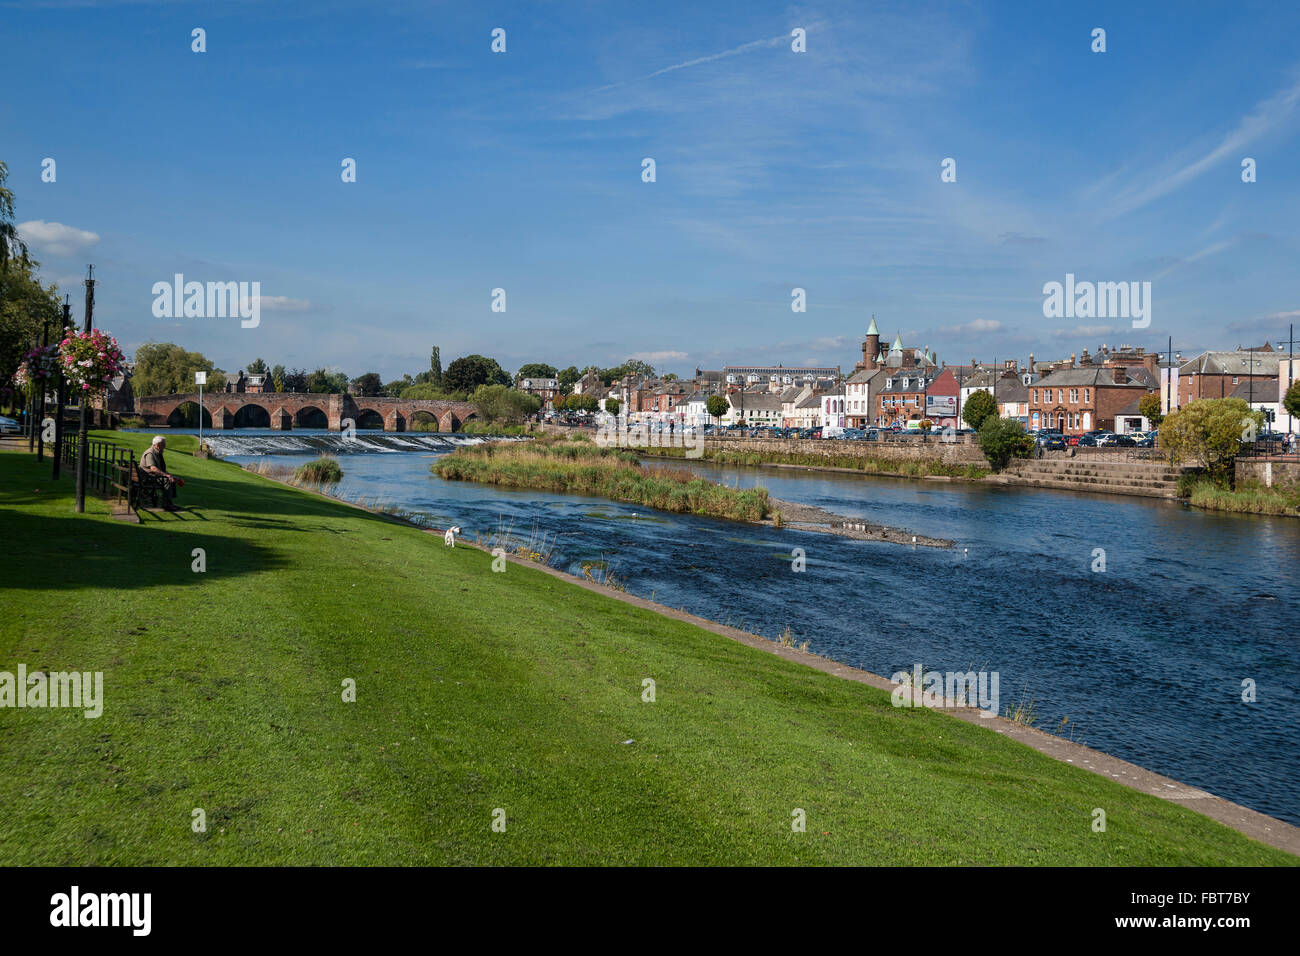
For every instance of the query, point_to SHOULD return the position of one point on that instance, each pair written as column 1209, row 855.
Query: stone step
column 1143, row 491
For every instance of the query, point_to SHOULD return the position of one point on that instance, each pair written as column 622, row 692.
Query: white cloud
column 975, row 325
column 1264, row 117
column 653, row 357
column 55, row 237
column 280, row 303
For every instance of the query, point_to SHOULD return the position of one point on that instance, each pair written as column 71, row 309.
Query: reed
column 579, row 465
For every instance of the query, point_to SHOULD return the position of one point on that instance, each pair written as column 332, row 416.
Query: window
column 1234, row 380
column 1074, row 400
column 1035, row 396
column 1087, row 396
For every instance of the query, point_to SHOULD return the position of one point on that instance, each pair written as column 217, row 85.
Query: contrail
column 743, row 48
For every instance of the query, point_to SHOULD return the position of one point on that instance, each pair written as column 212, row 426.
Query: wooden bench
column 136, row 486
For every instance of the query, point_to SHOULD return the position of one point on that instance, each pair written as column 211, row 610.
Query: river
column 1146, row 659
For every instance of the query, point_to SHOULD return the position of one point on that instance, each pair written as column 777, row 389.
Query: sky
column 774, row 170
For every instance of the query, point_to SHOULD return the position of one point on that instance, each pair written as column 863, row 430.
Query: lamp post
column 200, row 379
column 62, row 389
column 82, row 459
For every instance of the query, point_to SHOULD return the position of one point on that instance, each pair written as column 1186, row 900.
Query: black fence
column 1269, row 449
column 104, row 462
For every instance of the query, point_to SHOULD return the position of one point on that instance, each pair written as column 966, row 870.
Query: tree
column 435, row 367
column 325, row 382
column 368, row 384
column 497, row 403
column 567, row 378
column 277, row 378
column 25, row 305
column 469, row 372
column 1209, row 432
column 1149, row 408
column 296, row 380
column 1291, row 400
column 394, row 388
column 12, row 247
column 164, row 368
column 979, row 407
column 612, row 405
column 257, row 367
column 423, row 390
column 716, row 405
column 536, row 370
column 1002, row 439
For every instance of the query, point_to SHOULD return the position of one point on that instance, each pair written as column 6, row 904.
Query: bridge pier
column 394, row 421
column 281, row 420
column 223, row 419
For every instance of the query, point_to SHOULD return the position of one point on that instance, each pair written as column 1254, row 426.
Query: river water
column 1146, row 659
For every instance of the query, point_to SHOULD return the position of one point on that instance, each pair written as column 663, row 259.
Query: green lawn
column 475, row 691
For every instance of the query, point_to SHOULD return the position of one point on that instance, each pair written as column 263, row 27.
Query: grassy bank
column 1244, row 499
column 474, row 691
column 577, row 464
column 871, row 466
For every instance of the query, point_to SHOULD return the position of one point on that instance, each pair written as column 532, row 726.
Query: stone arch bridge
column 287, row 410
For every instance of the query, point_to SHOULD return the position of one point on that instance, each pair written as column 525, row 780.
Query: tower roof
column 898, row 343
column 871, row 329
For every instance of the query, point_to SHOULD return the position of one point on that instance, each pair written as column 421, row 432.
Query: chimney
column 1121, row 374
column 1071, row 360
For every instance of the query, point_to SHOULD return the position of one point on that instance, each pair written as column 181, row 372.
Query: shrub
column 322, row 471
column 979, row 408
column 1002, row 439
column 1209, row 433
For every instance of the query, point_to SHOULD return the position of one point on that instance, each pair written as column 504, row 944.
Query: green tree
column 324, row 381
column 12, row 247
column 978, row 408
column 470, row 371
column 1149, row 408
column 394, row 388
column 296, row 380
column 278, row 378
column 425, row 391
column 369, row 383
column 435, row 367
column 498, row 403
column 536, row 370
column 25, row 307
column 1291, row 400
column 1209, row 433
column 716, row 405
column 567, row 378
column 612, row 405
column 1002, row 439
column 257, row 367
column 164, row 368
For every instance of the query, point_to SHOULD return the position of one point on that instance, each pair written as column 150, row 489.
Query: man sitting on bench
column 152, row 462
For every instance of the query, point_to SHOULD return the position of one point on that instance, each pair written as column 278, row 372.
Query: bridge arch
column 252, row 415
column 450, row 422
column 423, row 420
column 186, row 415
column 311, row 416
column 369, row 418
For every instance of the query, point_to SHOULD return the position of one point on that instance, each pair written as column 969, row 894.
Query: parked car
column 1146, row 441
column 1105, row 438
column 1072, row 440
column 1122, row 441
column 1051, row 441
column 8, row 426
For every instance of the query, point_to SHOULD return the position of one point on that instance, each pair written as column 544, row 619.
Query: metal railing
column 104, row 461
column 1269, row 449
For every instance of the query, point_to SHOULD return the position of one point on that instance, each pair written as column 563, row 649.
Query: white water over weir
column 337, row 443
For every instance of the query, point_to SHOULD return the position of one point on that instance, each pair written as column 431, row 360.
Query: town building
column 543, row 388
column 1076, row 400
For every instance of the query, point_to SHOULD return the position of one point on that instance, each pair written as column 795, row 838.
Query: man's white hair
column 157, row 439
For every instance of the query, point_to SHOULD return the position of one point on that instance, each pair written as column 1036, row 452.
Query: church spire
column 872, row 330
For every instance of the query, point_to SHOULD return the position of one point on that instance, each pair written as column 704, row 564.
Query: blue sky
column 522, row 171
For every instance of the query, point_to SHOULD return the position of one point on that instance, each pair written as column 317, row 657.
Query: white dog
column 449, row 539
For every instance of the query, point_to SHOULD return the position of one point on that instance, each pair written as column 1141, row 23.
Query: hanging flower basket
column 90, row 360
column 39, row 368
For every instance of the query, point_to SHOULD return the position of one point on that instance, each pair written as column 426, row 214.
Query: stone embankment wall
column 1268, row 472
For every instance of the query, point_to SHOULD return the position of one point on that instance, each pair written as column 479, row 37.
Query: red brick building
column 1076, row 400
